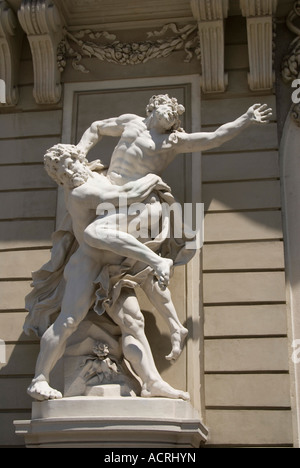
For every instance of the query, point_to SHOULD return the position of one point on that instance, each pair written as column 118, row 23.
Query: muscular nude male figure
column 146, row 146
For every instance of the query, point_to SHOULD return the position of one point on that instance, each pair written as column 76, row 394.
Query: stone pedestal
column 93, row 422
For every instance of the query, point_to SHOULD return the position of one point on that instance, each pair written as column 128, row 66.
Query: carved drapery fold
column 41, row 21
column 259, row 14
column 10, row 48
column 210, row 15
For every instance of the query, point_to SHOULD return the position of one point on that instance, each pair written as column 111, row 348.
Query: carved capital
column 258, row 7
column 210, row 15
column 41, row 21
column 259, row 14
column 10, row 49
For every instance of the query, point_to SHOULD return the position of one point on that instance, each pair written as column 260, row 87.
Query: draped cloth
column 48, row 283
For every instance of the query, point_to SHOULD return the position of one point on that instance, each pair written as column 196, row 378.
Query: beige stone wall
column 27, row 219
column 246, row 352
column 246, row 349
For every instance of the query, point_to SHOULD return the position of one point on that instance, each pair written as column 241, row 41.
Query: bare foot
column 164, row 272
column 177, row 340
column 164, row 390
column 41, row 390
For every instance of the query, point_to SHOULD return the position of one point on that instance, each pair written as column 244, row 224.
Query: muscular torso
column 81, row 213
column 140, row 152
column 84, row 214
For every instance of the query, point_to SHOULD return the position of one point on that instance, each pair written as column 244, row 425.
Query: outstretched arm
column 110, row 127
column 203, row 141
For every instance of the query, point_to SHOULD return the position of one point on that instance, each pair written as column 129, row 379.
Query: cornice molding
column 40, row 19
column 10, row 50
column 210, row 15
column 210, row 10
column 121, row 15
column 259, row 15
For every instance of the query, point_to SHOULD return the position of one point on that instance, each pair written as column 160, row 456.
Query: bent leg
column 127, row 314
column 163, row 303
column 80, row 273
column 126, row 245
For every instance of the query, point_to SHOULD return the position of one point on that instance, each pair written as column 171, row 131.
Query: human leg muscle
column 162, row 301
column 78, row 296
column 126, row 245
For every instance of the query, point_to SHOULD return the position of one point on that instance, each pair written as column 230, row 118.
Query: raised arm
column 109, row 127
column 202, row 141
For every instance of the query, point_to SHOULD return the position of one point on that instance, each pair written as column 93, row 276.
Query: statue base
column 126, row 422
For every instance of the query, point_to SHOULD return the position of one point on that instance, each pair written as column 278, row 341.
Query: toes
column 43, row 392
column 170, row 357
column 37, row 396
column 174, row 355
column 185, row 396
column 54, row 394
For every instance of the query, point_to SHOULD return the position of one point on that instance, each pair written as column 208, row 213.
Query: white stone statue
column 92, row 264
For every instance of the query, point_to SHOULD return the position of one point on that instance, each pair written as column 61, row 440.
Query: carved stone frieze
column 105, row 46
column 291, row 62
column 10, row 48
column 258, row 7
column 259, row 14
column 41, row 21
column 210, row 15
column 295, row 114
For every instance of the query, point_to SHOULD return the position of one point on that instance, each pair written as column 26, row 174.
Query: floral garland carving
column 291, row 62
column 106, row 47
column 290, row 68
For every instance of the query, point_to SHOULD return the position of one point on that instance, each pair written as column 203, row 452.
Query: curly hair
column 160, row 99
column 56, row 156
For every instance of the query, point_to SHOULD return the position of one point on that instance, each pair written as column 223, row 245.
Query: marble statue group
column 95, row 266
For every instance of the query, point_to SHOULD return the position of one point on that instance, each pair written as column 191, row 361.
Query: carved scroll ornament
column 10, row 49
column 261, row 32
column 210, row 15
column 291, row 62
column 41, row 21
